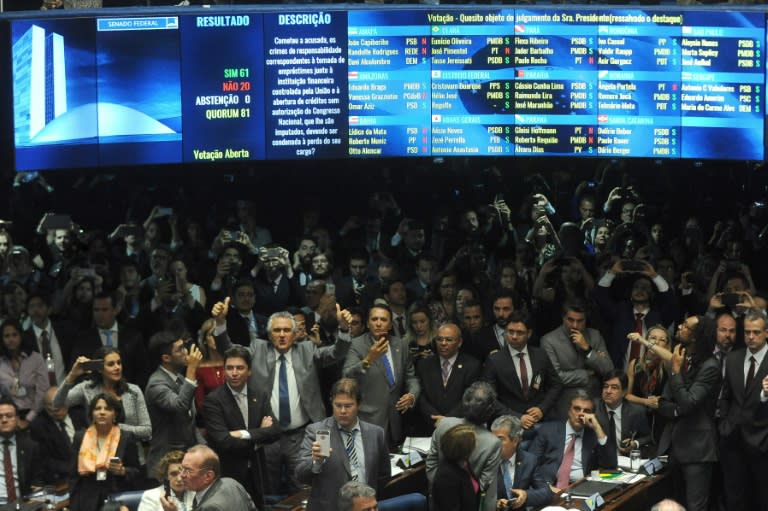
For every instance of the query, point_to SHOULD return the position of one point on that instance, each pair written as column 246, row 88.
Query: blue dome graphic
column 99, row 120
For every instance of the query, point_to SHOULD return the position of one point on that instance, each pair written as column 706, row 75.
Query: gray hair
column 478, row 402
column 581, row 393
column 282, row 315
column 512, row 424
column 755, row 315
column 350, row 491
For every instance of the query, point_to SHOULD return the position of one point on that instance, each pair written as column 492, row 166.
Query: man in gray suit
column 358, row 451
column 383, row 367
column 579, row 355
column 478, row 403
column 201, row 473
column 288, row 372
column 170, row 396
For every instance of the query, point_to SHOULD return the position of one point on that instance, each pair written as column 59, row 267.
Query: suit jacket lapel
column 211, row 490
column 508, row 365
column 338, row 443
column 761, row 372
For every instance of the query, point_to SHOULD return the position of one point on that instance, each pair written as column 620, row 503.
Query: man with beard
column 688, row 403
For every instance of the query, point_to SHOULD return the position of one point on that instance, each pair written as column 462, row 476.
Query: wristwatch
column 366, row 365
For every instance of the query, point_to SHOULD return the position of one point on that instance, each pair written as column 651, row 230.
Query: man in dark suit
column 293, row 367
column 352, row 290
column 49, row 339
column 569, row 450
column 23, row 453
column 688, row 403
column 444, row 377
column 239, row 422
column 490, row 338
column 519, row 476
column 243, row 322
column 524, row 378
column 107, row 332
column 54, row 431
column 651, row 302
column 201, row 473
column 170, row 396
column 275, row 289
column 418, row 287
column 358, row 450
column 744, row 419
column 629, row 421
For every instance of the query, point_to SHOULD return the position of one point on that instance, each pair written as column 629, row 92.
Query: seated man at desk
column 521, row 484
column 625, row 423
column 569, row 450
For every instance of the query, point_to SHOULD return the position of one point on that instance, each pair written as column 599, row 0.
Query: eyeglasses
column 189, row 471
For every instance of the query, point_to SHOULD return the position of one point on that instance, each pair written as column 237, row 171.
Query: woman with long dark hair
column 23, row 375
column 108, row 380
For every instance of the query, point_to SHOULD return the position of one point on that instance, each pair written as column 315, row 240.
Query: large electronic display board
column 138, row 87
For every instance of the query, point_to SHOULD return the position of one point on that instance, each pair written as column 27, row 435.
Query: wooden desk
column 412, row 480
column 637, row 497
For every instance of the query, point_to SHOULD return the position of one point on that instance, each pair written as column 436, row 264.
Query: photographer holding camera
column 275, row 288
column 647, row 300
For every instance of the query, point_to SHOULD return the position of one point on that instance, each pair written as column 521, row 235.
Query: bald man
column 444, row 376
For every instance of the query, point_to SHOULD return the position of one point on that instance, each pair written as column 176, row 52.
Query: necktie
column 63, row 428
column 194, row 503
column 612, row 429
column 634, row 350
column 108, row 338
column 446, row 371
column 507, row 478
column 351, row 453
column 472, row 478
column 523, row 375
column 10, row 483
column 45, row 342
column 242, row 403
column 750, row 373
column 400, row 326
column 564, row 472
column 388, row 370
column 285, row 405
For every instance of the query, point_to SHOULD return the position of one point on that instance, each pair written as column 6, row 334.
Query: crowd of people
column 534, row 342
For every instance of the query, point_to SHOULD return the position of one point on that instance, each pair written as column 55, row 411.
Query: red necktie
column 10, row 484
column 634, row 350
column 523, row 374
column 564, row 472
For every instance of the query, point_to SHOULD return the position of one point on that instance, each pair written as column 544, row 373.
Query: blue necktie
column 388, row 370
column 507, row 478
column 285, row 406
column 108, row 338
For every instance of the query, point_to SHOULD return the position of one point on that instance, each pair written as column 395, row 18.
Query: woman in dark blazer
column 107, row 461
column 455, row 488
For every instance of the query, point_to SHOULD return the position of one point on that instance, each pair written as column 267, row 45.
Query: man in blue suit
column 569, row 450
column 520, row 482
